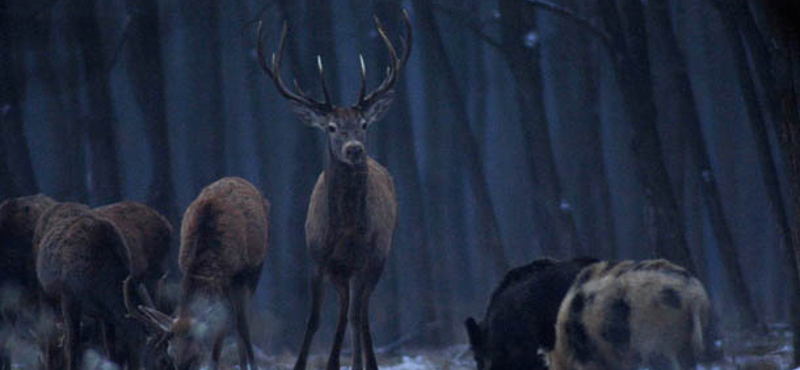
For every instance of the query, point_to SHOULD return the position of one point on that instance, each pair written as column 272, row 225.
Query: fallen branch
column 410, row 337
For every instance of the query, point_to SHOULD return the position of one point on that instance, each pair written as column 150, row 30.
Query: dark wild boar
column 224, row 239
column 631, row 315
column 521, row 316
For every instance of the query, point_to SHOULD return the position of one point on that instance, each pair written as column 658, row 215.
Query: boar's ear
column 474, row 333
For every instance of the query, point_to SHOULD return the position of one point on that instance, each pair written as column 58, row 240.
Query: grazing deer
column 224, row 239
column 19, row 289
column 81, row 265
column 148, row 235
column 353, row 211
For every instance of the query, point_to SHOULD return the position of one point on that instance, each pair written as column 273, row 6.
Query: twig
column 583, row 22
column 468, row 21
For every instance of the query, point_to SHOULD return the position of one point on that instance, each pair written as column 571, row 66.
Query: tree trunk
column 488, row 230
column 206, row 134
column 64, row 115
column 12, row 93
column 146, row 70
column 105, row 182
column 671, row 55
column 665, row 226
column 785, row 60
column 554, row 218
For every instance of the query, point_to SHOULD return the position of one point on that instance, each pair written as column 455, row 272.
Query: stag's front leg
column 368, row 281
column 313, row 318
column 343, row 290
column 355, row 322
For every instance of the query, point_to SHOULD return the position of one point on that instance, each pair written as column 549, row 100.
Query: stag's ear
column 379, row 107
column 310, row 116
column 474, row 333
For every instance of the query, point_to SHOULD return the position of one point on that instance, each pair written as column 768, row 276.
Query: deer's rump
column 227, row 233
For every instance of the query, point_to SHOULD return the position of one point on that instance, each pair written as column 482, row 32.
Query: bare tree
column 488, row 230
column 671, row 55
column 106, row 186
column 12, row 91
column 146, row 71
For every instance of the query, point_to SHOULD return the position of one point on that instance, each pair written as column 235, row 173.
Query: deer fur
column 148, row 236
column 352, row 213
column 81, row 265
column 630, row 315
column 224, row 240
column 19, row 289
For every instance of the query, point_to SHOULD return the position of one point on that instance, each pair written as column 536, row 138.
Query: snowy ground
column 769, row 352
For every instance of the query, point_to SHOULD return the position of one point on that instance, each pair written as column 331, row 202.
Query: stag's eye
column 331, row 128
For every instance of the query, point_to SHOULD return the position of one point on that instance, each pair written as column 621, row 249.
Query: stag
column 353, row 211
column 224, row 239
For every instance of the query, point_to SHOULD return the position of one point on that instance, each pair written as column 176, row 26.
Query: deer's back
column 351, row 246
column 84, row 255
column 224, row 231
column 147, row 235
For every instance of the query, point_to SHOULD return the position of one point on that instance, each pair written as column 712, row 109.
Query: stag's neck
column 346, row 188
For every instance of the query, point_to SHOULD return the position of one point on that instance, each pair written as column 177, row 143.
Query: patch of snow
column 411, row 363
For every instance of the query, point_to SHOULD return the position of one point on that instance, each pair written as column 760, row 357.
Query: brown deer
column 224, row 239
column 353, row 211
column 19, row 289
column 148, row 235
column 81, row 265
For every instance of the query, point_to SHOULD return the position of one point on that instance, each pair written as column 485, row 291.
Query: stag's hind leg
column 315, row 283
column 365, row 285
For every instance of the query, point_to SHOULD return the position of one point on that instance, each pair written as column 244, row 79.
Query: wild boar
column 521, row 316
column 630, row 315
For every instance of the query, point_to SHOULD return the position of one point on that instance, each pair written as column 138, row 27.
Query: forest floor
column 769, row 352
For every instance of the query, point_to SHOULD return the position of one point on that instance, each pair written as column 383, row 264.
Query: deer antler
column 274, row 73
column 393, row 70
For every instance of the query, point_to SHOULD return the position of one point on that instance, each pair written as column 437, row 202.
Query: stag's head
column 346, row 127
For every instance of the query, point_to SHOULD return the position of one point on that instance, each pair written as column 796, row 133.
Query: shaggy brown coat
column 224, row 240
column 81, row 265
column 19, row 289
column 147, row 235
column 627, row 315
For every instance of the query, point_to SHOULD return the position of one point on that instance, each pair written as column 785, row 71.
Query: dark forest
column 520, row 129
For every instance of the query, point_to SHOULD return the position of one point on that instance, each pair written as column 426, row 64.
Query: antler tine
column 274, row 71
column 407, row 40
column 322, row 80
column 133, row 312
column 396, row 64
column 363, row 90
